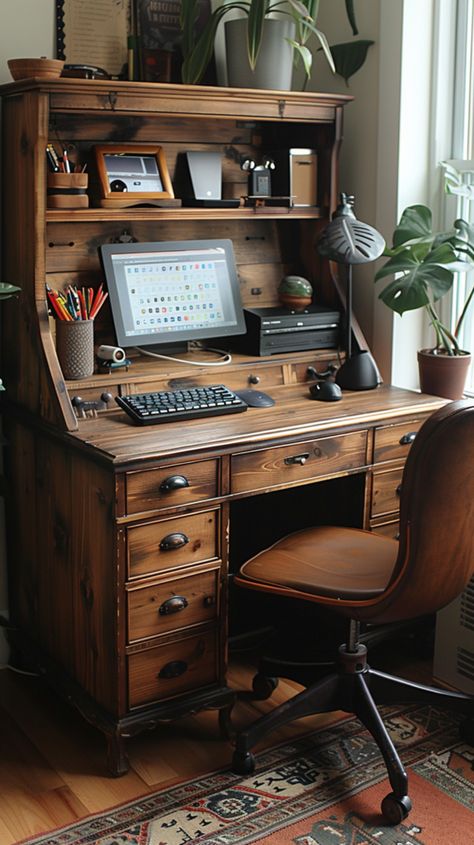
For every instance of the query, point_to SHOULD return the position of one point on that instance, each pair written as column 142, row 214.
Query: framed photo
column 130, row 174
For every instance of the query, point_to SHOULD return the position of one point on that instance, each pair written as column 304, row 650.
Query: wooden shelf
column 106, row 215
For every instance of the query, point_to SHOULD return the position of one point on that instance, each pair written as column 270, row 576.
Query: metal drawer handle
column 173, row 605
column 173, row 669
column 297, row 459
column 407, row 438
column 173, row 541
column 173, row 482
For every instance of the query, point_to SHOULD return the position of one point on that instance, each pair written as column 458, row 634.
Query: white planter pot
column 274, row 68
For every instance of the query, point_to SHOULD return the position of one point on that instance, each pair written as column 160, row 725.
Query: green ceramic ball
column 295, row 292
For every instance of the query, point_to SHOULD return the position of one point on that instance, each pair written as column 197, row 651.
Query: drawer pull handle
column 407, row 438
column 398, row 490
column 173, row 605
column 297, row 459
column 173, row 482
column 173, row 669
column 173, row 541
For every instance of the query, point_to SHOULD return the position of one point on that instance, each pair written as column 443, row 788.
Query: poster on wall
column 93, row 33
column 159, row 36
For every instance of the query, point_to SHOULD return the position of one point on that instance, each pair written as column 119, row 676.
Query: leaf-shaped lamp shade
column 348, row 241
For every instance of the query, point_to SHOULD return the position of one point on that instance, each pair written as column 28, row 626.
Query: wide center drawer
column 298, row 461
column 168, row 605
column 169, row 543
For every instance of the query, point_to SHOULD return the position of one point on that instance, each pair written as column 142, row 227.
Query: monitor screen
column 172, row 292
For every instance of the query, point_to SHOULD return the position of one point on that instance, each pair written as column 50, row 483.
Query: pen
column 67, row 167
column 52, row 164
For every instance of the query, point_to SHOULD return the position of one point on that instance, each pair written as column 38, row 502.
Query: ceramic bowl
column 28, row 68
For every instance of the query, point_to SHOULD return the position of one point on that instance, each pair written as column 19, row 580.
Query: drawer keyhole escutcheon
column 173, row 605
column 174, row 541
column 297, row 459
column 173, row 482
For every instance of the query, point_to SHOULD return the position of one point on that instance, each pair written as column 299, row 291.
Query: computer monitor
column 164, row 294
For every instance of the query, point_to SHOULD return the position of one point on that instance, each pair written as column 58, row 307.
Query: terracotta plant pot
column 443, row 375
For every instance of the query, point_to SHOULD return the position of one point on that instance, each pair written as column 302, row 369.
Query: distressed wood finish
column 96, row 543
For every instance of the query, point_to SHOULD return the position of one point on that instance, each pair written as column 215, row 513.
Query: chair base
column 354, row 688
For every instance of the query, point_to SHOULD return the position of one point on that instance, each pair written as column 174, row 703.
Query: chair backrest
column 436, row 550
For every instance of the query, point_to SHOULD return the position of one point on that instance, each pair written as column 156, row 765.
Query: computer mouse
column 255, row 398
column 326, row 391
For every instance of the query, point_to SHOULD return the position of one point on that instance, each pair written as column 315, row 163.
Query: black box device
column 272, row 330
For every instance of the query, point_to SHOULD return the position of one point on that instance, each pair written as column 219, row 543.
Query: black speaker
column 199, row 180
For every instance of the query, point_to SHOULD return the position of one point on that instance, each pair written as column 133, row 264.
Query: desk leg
column 117, row 758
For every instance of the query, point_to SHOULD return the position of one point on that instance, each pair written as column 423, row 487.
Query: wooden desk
column 120, row 587
column 119, row 578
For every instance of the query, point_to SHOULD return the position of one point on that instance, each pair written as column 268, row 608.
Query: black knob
column 254, row 379
column 106, row 397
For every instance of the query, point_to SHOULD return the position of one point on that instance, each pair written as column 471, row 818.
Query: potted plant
column 424, row 263
column 289, row 35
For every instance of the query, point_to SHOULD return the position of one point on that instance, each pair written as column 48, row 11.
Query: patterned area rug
column 322, row 789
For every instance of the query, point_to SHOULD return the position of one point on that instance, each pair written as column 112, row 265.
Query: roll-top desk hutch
column 120, row 538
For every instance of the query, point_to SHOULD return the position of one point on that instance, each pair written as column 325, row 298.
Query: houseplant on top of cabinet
column 424, row 264
column 260, row 47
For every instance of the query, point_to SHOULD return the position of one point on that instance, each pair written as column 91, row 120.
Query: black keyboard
column 169, row 406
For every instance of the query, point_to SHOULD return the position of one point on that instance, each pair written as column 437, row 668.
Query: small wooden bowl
column 28, row 68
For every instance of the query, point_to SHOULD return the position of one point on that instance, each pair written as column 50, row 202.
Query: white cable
column 227, row 357
column 19, row 671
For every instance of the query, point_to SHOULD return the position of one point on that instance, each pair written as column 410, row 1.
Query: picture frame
column 133, row 174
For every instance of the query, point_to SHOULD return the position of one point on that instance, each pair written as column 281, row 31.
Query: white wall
column 27, row 31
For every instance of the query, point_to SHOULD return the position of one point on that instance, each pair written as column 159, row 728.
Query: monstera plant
column 424, row 264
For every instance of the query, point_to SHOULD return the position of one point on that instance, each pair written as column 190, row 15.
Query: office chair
column 370, row 578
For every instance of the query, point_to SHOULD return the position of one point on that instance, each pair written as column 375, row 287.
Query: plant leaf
column 349, row 57
column 432, row 274
column 415, row 222
column 256, row 20
column 7, row 290
column 305, row 54
column 351, row 16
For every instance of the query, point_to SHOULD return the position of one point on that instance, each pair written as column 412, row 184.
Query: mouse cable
column 226, row 357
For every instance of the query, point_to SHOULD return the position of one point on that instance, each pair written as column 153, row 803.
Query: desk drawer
column 298, row 461
column 169, row 605
column 386, row 491
column 168, row 670
column 171, row 486
column 393, row 441
column 268, row 376
column 170, row 543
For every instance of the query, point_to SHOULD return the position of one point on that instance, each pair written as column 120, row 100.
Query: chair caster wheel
column 466, row 731
column 263, row 686
column 243, row 763
column 395, row 810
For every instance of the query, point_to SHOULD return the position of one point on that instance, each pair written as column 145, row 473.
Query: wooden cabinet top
column 90, row 95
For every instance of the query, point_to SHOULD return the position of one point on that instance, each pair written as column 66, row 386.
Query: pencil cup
column 68, row 190
column 75, row 347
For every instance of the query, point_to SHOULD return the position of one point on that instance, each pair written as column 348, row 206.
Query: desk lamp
column 348, row 241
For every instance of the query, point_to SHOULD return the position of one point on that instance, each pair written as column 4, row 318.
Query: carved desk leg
column 117, row 758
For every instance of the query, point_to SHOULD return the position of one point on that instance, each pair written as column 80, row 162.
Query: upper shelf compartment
column 98, row 215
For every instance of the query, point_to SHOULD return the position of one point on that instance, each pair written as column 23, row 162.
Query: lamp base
column 359, row 372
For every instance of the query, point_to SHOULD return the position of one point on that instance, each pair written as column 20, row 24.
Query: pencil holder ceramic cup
column 68, row 190
column 75, row 347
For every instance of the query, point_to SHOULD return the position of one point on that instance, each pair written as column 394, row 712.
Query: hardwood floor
column 52, row 763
